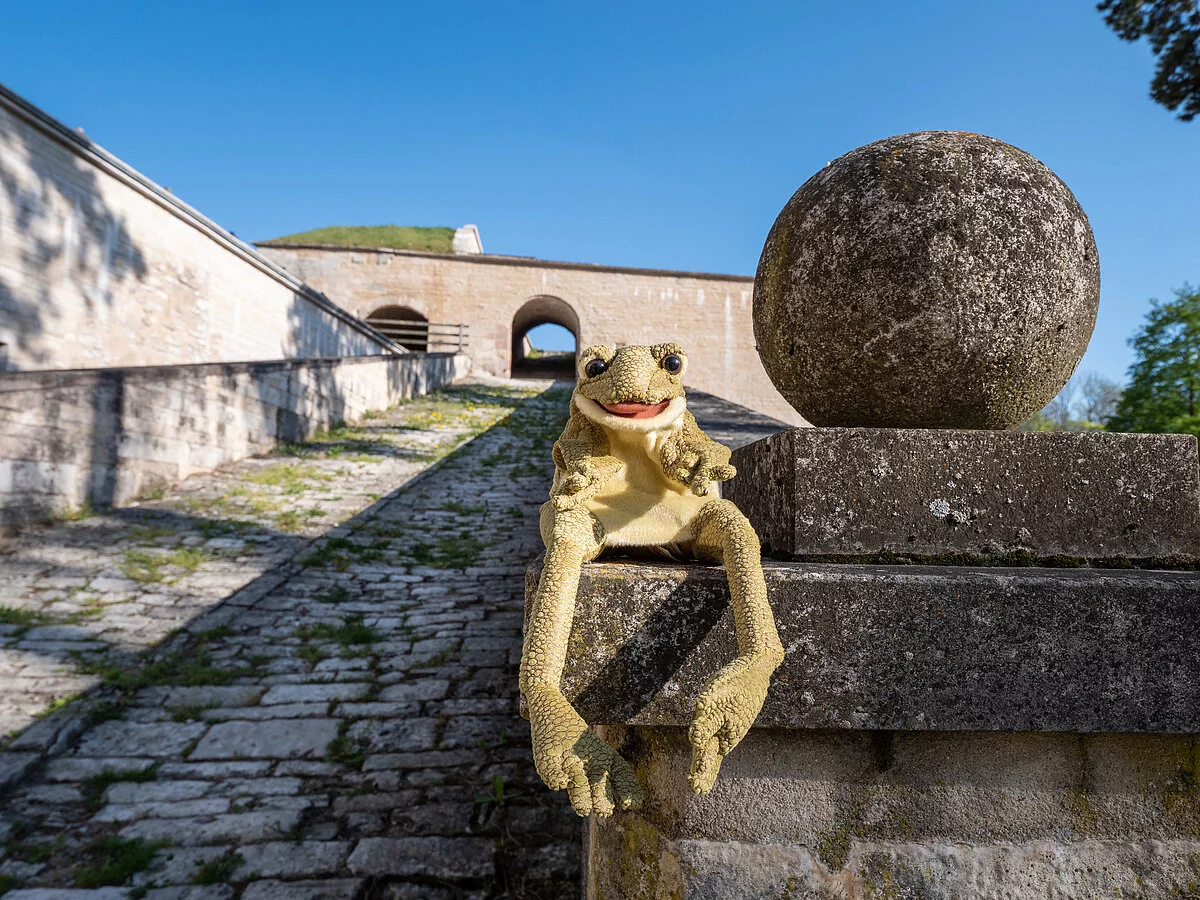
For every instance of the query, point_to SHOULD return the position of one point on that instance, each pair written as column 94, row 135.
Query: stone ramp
column 350, row 732
column 91, row 594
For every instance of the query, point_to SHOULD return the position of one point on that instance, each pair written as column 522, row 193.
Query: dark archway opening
column 545, row 336
column 405, row 326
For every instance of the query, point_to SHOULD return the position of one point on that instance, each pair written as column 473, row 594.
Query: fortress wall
column 710, row 315
column 107, row 436
column 99, row 267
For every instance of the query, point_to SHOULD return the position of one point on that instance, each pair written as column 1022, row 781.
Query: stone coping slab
column 937, row 648
column 862, row 494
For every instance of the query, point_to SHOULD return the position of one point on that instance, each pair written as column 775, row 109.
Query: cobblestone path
column 339, row 719
column 98, row 590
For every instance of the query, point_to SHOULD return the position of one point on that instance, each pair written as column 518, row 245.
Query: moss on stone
column 833, row 847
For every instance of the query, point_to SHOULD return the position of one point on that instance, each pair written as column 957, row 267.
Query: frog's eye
column 672, row 363
column 595, row 367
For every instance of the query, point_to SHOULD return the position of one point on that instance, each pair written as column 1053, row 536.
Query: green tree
column 1173, row 29
column 1164, row 381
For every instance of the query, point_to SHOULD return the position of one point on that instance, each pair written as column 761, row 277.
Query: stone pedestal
column 935, row 731
column 937, row 495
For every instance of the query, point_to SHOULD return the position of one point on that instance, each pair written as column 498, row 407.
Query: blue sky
column 646, row 134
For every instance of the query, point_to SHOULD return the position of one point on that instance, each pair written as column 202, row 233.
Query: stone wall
column 852, row 815
column 708, row 314
column 107, row 436
column 99, row 266
column 935, row 732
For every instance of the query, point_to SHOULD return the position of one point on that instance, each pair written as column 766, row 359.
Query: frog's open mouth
column 629, row 410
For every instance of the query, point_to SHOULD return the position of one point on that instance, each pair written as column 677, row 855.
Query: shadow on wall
column 324, row 401
column 56, row 235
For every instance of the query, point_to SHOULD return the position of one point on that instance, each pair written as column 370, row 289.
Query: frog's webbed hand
column 693, row 458
column 566, row 754
column 582, row 455
column 585, row 481
column 732, row 699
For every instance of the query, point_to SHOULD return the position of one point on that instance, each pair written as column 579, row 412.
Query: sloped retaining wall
column 107, row 436
column 100, row 266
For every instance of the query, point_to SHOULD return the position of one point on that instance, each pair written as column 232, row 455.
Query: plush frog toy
column 632, row 469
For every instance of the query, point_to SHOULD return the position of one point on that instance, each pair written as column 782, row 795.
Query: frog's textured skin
column 633, row 469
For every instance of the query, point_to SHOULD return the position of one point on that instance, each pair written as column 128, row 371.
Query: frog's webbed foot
column 569, row 757
column 725, row 710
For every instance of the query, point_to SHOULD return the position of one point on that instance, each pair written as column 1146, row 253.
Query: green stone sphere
column 939, row 279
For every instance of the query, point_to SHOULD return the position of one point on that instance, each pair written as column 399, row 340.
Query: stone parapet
column 853, row 815
column 107, row 436
column 899, row 647
column 933, row 732
column 987, row 496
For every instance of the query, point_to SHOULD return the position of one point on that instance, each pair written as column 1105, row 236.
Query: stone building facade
column 501, row 298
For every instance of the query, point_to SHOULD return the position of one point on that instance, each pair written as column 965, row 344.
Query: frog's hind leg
column 566, row 753
column 732, row 699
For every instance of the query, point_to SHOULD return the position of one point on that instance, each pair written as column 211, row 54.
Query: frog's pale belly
column 641, row 506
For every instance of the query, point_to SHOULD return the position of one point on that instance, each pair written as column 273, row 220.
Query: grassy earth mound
column 396, row 237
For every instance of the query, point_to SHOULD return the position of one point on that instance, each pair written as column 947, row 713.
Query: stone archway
column 543, row 310
column 402, row 324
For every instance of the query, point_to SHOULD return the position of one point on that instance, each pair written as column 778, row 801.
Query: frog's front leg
column 567, row 755
column 732, row 699
column 588, row 477
column 691, row 457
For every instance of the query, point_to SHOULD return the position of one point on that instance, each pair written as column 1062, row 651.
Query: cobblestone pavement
column 99, row 590
column 339, row 719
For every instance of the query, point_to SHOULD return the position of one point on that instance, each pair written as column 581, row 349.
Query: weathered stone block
column 899, row 647
column 843, row 815
column 273, row 738
column 932, row 494
column 433, row 857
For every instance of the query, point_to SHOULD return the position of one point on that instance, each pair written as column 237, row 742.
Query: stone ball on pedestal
column 939, row 279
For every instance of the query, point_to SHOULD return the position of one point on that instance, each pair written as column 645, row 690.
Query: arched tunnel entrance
column 404, row 325
column 545, row 337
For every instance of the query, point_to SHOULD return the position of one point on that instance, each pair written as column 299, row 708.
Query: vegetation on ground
column 219, row 870
column 112, row 860
column 95, row 786
column 24, row 618
column 352, row 631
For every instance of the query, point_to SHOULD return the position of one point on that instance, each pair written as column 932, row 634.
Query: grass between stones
column 340, row 553
column 146, row 567
column 352, row 631
column 112, row 859
column 345, row 750
column 189, row 712
column 23, row 618
column 18, row 848
column 219, row 870
column 95, row 786
column 448, row 552
column 176, row 669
